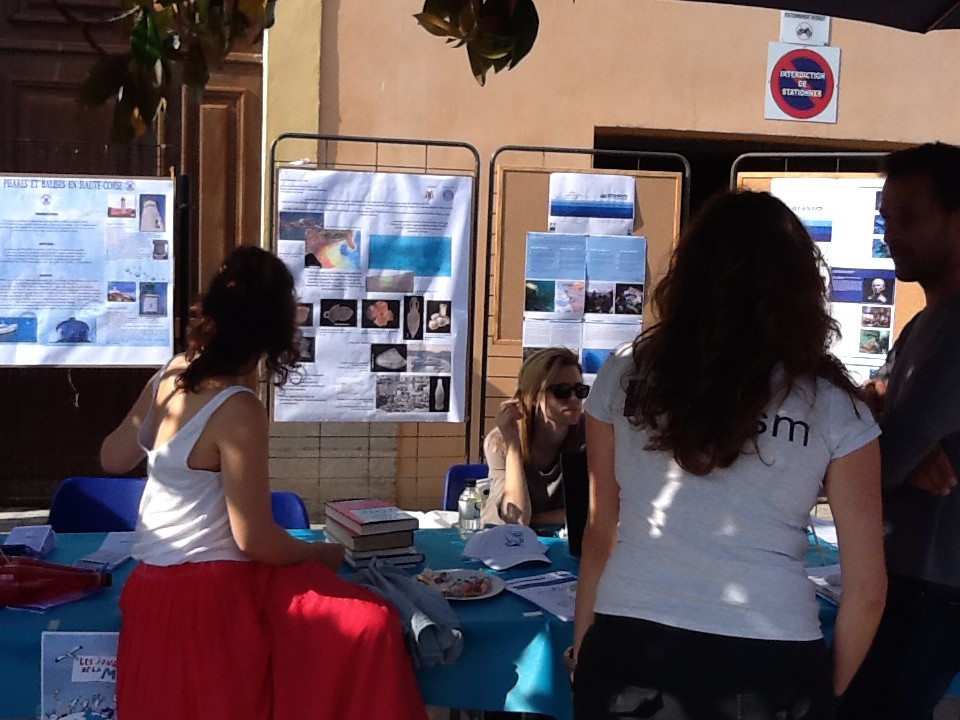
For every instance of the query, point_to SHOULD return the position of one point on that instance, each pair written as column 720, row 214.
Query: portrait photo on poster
column 878, row 290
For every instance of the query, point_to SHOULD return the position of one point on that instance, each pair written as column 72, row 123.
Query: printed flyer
column 843, row 217
column 86, row 270
column 584, row 292
column 381, row 262
column 78, row 675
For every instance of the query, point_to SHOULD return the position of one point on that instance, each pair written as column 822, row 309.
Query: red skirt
column 233, row 640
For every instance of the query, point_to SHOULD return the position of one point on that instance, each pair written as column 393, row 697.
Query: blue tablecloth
column 511, row 657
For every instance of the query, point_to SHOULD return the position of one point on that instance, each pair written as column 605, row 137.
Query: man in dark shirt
column 916, row 652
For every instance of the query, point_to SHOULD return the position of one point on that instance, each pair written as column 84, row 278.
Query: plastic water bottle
column 470, row 504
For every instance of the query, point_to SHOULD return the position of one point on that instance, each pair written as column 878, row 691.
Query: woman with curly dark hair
column 227, row 615
column 709, row 440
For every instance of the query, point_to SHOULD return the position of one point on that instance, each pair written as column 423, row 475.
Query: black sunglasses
column 561, row 391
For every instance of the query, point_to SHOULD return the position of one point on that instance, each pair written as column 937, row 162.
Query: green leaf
column 467, row 20
column 478, row 65
column 493, row 47
column 524, row 25
column 252, row 10
column 163, row 19
column 145, row 40
column 448, row 9
column 104, row 80
column 436, row 25
column 122, row 130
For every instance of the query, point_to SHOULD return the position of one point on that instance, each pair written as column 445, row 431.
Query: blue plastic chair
column 96, row 504
column 111, row 504
column 289, row 510
column 456, row 481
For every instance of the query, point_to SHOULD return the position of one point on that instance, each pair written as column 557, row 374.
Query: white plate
column 451, row 583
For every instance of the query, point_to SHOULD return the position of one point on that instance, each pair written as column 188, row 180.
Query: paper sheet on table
column 112, row 553
column 435, row 519
column 554, row 591
column 828, row 581
column 39, row 539
column 824, row 529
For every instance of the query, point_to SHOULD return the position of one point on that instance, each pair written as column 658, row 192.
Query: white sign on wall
column 804, row 29
column 802, row 83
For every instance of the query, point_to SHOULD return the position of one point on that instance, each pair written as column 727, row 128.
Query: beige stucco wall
column 642, row 64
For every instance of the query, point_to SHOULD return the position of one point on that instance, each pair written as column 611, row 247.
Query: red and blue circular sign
column 802, row 83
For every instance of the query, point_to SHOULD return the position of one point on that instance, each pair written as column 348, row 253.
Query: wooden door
column 52, row 420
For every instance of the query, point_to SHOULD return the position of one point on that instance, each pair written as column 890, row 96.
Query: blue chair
column 96, row 504
column 289, row 511
column 111, row 504
column 456, row 481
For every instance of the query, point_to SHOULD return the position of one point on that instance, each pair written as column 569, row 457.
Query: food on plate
column 457, row 585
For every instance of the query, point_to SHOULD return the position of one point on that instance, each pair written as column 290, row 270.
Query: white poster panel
column 381, row 262
column 843, row 217
column 583, row 292
column 591, row 203
column 86, row 270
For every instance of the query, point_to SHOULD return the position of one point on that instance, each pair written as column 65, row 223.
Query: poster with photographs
column 381, row 263
column 842, row 215
column 86, row 270
column 583, row 292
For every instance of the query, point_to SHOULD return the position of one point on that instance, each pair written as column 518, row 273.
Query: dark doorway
column 711, row 155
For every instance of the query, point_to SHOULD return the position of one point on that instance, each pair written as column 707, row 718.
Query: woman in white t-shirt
column 709, row 440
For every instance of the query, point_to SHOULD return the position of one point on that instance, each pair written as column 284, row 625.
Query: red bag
column 24, row 580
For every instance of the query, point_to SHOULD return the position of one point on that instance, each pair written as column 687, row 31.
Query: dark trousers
column 913, row 658
column 629, row 668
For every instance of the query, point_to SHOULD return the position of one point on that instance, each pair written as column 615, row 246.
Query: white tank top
column 183, row 512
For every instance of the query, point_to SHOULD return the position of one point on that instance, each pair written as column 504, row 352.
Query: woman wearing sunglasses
column 541, row 421
column 709, row 440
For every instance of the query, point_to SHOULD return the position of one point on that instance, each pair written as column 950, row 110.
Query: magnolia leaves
column 497, row 33
column 166, row 35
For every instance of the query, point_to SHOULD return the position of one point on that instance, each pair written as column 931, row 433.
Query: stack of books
column 370, row 528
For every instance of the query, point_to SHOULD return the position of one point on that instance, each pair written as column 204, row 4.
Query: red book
column 369, row 516
column 352, row 541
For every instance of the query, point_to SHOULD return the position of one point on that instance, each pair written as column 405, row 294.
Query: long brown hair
column 531, row 386
column 744, row 295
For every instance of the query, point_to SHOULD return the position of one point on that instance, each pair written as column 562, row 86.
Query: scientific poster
column 381, row 262
column 843, row 217
column 86, row 270
column 583, row 292
column 592, row 203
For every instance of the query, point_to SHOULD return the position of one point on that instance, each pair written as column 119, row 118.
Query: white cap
column 504, row 546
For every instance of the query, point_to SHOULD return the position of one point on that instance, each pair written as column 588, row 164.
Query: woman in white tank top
column 228, row 615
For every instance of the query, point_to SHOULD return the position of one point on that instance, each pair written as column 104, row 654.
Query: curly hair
column 744, row 295
column 247, row 314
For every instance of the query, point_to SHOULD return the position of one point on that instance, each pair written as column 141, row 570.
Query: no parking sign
column 802, row 83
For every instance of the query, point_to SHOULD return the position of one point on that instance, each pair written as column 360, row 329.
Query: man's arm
column 925, row 412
